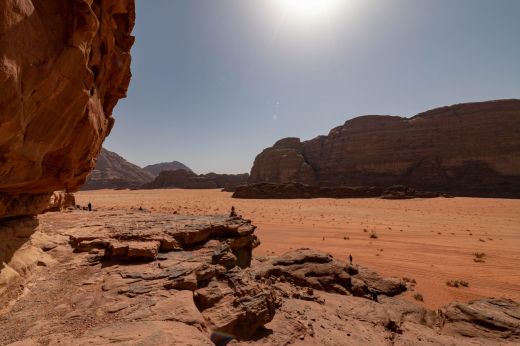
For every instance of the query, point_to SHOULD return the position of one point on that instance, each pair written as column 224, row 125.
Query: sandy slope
column 430, row 240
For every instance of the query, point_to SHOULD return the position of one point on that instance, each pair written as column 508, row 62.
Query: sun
column 308, row 10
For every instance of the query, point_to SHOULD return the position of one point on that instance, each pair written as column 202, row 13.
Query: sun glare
column 308, row 10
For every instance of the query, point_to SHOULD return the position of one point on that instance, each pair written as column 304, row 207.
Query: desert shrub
column 479, row 257
column 419, row 297
column 373, row 235
column 409, row 280
column 457, row 283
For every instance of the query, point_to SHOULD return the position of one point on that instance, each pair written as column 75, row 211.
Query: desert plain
column 431, row 241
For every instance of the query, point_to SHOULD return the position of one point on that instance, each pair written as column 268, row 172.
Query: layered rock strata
column 465, row 149
column 63, row 67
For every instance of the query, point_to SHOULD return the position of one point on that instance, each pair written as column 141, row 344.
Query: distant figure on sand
column 350, row 258
column 89, row 206
column 233, row 213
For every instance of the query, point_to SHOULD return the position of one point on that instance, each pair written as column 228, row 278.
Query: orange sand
column 429, row 240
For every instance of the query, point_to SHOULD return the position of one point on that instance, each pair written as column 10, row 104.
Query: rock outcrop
column 483, row 318
column 319, row 270
column 149, row 270
column 466, row 149
column 114, row 172
column 166, row 166
column 182, row 179
column 63, row 67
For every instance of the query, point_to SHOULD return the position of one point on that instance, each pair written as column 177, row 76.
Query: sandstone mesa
column 470, row 149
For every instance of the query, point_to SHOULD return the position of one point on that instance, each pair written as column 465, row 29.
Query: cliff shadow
column 14, row 234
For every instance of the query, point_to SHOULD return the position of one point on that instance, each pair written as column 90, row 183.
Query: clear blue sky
column 216, row 81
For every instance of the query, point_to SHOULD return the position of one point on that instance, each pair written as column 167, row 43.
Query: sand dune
column 429, row 240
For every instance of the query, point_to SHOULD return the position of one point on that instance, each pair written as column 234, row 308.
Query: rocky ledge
column 140, row 278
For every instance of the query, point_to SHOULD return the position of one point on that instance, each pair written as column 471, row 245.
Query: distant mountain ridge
column 166, row 166
column 183, row 179
column 114, row 172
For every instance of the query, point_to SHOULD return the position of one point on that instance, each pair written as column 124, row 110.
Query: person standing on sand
column 374, row 295
column 350, row 258
column 89, row 206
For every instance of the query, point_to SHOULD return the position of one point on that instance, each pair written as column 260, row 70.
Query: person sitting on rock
column 233, row 213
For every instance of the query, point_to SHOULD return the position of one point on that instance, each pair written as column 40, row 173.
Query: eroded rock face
column 60, row 201
column 467, row 149
column 63, row 67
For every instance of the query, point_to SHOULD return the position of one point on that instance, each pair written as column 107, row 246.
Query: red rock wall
column 466, row 148
column 63, row 67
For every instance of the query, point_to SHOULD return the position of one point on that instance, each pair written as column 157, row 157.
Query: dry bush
column 457, row 283
column 419, row 297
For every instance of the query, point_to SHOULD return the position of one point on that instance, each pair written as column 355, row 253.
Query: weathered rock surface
column 29, row 204
column 183, row 179
column 465, row 149
column 114, row 172
column 147, row 272
column 189, row 290
column 61, row 200
column 63, row 67
column 319, row 270
column 484, row 318
column 298, row 190
column 157, row 168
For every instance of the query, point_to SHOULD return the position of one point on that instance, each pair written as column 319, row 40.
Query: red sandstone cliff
column 471, row 148
column 63, row 67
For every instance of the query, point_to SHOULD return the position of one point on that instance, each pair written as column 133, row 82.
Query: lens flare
column 308, row 10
